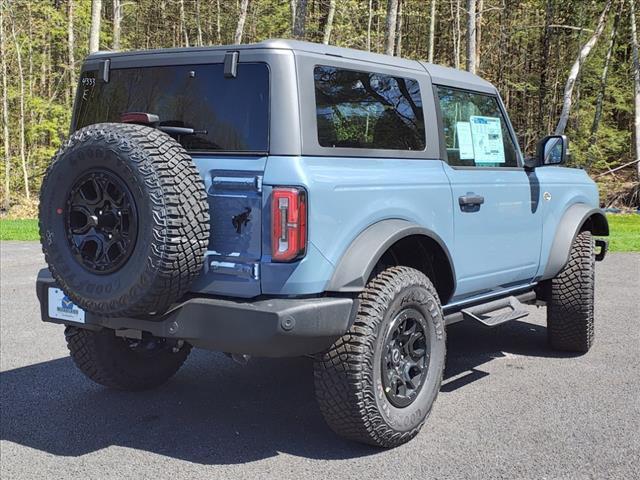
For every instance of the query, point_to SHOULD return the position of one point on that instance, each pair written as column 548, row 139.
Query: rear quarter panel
column 346, row 195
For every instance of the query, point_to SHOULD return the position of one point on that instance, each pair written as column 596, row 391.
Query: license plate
column 61, row 307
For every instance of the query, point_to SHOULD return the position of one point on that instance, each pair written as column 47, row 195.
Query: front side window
column 226, row 114
column 368, row 110
column 475, row 131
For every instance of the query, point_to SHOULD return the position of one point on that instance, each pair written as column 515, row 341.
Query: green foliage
column 510, row 50
column 624, row 233
column 23, row 229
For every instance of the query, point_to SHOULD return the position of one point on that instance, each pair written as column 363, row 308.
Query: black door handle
column 471, row 199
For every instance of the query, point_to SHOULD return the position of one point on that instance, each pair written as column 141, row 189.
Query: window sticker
column 465, row 140
column 487, row 139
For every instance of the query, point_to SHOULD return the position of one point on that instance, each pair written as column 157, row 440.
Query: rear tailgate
column 234, row 193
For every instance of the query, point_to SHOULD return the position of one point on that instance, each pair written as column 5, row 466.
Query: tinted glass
column 475, row 132
column 230, row 114
column 368, row 110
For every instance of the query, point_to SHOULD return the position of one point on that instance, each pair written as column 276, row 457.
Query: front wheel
column 123, row 363
column 570, row 322
column 378, row 382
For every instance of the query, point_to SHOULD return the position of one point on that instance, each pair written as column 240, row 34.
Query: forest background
column 561, row 66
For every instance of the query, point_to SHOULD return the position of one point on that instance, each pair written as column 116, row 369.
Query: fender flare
column 356, row 264
column 571, row 223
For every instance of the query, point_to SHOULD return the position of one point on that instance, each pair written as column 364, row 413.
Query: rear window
column 368, row 110
column 227, row 114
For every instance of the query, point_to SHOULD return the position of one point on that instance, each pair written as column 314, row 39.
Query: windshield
column 227, row 114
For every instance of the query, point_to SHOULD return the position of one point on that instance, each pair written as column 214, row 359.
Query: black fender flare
column 572, row 223
column 354, row 268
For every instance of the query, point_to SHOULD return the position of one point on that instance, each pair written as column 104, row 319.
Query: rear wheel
column 123, row 363
column 570, row 322
column 378, row 382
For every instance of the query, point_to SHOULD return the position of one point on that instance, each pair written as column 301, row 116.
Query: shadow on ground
column 214, row 411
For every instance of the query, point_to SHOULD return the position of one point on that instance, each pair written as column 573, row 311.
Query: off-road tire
column 109, row 361
column 570, row 322
column 347, row 376
column 172, row 219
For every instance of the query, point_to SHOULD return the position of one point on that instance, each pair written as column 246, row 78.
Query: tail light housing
column 288, row 223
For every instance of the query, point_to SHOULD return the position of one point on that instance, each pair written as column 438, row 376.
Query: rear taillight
column 288, row 223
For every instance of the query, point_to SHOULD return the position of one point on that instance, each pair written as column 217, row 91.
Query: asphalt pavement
column 509, row 407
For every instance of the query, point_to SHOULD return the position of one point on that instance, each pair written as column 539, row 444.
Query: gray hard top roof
column 439, row 75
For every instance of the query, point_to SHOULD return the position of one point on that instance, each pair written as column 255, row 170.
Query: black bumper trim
column 276, row 327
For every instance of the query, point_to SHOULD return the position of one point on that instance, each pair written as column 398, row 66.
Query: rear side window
column 368, row 110
column 227, row 114
column 475, row 131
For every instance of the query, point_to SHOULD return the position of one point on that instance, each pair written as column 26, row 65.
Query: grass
column 624, row 233
column 22, row 229
column 624, row 229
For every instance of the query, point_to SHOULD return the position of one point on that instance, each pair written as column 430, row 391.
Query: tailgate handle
column 253, row 183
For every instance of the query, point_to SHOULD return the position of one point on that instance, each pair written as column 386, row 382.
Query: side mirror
column 552, row 150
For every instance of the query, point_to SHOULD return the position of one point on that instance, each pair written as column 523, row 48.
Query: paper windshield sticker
column 465, row 141
column 487, row 139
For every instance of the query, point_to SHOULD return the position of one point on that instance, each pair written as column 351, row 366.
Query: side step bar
column 482, row 313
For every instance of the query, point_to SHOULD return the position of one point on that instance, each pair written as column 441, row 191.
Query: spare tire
column 124, row 220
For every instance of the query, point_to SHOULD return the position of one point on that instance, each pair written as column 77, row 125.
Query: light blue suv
column 287, row 199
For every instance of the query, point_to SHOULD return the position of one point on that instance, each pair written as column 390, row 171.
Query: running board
column 482, row 312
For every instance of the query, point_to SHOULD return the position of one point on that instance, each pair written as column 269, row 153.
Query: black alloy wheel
column 101, row 221
column 405, row 357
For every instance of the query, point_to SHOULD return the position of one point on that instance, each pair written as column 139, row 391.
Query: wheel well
column 425, row 254
column 597, row 224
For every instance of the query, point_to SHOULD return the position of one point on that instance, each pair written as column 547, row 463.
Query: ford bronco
column 289, row 199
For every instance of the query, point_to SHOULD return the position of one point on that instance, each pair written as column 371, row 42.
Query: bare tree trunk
column 294, row 12
column 299, row 13
column 471, row 36
column 199, row 41
column 218, row 26
column 5, row 115
column 603, row 86
column 244, row 5
column 432, row 30
column 400, row 22
column 117, row 20
column 23, row 157
column 71, row 47
column 479, row 33
column 457, row 34
column 636, row 79
column 544, row 68
column 575, row 70
column 369, row 20
column 183, row 24
column 392, row 16
column 329, row 25
column 94, row 32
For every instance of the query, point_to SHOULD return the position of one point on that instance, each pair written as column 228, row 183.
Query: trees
column 94, row 35
column 392, row 15
column 5, row 112
column 636, row 80
column 575, row 70
column 244, row 5
column 299, row 15
column 471, row 36
column 432, row 30
column 117, row 20
column 527, row 48
column 329, row 24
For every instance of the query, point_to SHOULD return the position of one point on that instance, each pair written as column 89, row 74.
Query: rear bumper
column 276, row 327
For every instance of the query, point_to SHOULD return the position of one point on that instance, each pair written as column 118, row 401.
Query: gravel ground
column 509, row 407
